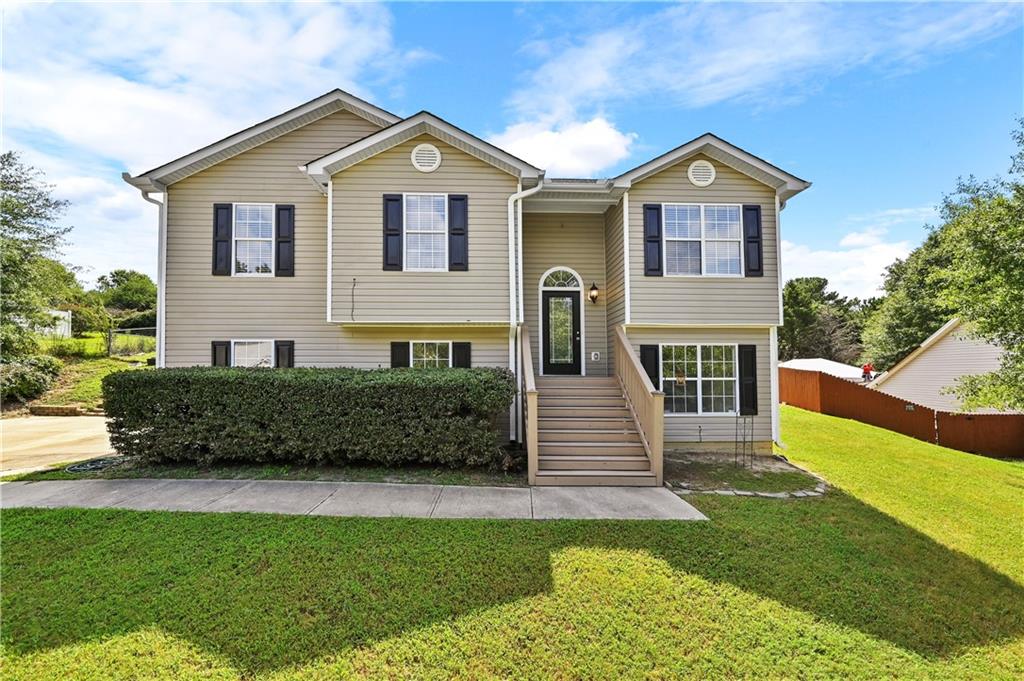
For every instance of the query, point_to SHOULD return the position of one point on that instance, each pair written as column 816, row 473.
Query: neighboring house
column 61, row 326
column 338, row 234
column 926, row 374
column 825, row 366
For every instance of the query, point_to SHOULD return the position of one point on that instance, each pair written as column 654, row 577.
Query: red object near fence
column 988, row 434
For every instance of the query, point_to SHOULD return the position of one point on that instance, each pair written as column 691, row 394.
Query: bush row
column 387, row 416
column 28, row 378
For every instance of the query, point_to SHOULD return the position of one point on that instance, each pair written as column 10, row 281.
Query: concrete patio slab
column 627, row 503
column 484, row 502
column 380, row 500
column 275, row 496
column 182, row 495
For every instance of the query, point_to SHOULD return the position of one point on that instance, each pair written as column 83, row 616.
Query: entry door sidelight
column 561, row 343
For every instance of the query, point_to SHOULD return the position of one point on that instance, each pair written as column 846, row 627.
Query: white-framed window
column 702, row 239
column 426, row 232
column 430, row 353
column 252, row 353
column 253, row 240
column 700, row 379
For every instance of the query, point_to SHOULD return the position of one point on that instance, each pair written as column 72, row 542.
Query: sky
column 881, row 106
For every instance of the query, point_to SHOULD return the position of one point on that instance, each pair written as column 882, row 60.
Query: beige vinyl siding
column 370, row 347
column 575, row 241
column 201, row 307
column 924, row 378
column 615, row 290
column 480, row 294
column 692, row 428
column 703, row 300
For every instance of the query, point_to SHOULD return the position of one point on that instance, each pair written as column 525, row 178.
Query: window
column 702, row 239
column 431, row 353
column 426, row 232
column 252, row 353
column 699, row 379
column 254, row 239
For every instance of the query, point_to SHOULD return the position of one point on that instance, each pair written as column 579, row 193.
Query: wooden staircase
column 586, row 434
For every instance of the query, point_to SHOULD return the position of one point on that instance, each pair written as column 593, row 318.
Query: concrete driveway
column 36, row 442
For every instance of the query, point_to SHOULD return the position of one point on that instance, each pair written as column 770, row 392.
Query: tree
column 820, row 323
column 127, row 290
column 984, row 278
column 28, row 233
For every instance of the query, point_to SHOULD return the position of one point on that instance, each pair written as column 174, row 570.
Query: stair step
column 581, row 401
column 572, row 381
column 585, row 435
column 581, row 391
column 584, row 423
column 577, row 448
column 594, row 462
column 597, row 478
column 585, row 412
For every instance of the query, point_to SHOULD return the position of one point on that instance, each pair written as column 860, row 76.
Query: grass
column 873, row 580
column 93, row 345
column 80, row 381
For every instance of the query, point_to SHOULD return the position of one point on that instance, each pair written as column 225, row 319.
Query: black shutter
column 393, row 232
column 748, row 379
column 285, row 241
column 221, row 353
column 650, row 359
column 753, row 250
column 400, row 355
column 458, row 233
column 284, row 354
column 222, row 239
column 462, row 355
column 652, row 240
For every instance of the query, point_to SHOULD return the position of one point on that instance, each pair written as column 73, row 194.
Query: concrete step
column 563, row 448
column 584, row 423
column 594, row 478
column 594, row 462
column 592, row 435
column 580, row 390
column 585, row 412
column 580, row 401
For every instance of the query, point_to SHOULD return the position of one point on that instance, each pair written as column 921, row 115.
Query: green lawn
column 903, row 569
column 80, row 381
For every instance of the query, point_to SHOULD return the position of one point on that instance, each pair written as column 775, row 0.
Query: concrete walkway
column 370, row 499
column 36, row 442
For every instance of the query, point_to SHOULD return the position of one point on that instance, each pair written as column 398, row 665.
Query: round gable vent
column 426, row 158
column 701, row 173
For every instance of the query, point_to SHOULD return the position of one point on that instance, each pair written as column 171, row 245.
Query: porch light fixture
column 593, row 293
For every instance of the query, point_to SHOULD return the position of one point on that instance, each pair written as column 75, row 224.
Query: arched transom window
column 561, row 279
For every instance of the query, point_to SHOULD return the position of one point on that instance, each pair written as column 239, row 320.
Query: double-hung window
column 253, row 237
column 426, row 232
column 702, row 239
column 252, row 353
column 699, row 379
column 431, row 353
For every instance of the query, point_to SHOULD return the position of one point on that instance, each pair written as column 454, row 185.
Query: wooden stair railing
column 646, row 402
column 528, row 390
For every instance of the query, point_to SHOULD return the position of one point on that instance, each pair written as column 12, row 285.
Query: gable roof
column 424, row 122
column 158, row 178
column 786, row 184
column 931, row 340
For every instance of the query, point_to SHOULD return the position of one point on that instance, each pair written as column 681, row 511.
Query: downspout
column 161, row 266
column 516, row 315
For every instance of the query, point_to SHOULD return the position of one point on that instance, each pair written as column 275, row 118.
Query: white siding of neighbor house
column 480, row 294
column 703, row 300
column 682, row 430
column 925, row 378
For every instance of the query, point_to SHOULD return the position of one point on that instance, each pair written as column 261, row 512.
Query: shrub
column 145, row 319
column 28, row 378
column 387, row 416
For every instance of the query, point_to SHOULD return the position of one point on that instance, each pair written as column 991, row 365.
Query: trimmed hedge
column 29, row 377
column 387, row 416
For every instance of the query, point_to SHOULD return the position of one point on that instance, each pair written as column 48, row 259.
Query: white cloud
column 857, row 265
column 574, row 148
column 700, row 54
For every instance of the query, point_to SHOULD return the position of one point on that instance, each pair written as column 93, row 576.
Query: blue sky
column 880, row 106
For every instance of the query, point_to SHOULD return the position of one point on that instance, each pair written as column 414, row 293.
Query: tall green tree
column 29, row 232
column 818, row 322
column 127, row 290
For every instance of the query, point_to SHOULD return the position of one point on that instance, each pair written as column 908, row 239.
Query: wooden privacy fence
column 988, row 434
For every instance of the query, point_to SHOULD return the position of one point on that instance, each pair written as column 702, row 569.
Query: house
column 825, row 366
column 637, row 312
column 926, row 375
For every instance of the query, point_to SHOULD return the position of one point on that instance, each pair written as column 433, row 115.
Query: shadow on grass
column 268, row 592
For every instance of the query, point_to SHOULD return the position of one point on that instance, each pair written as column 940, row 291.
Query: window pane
column 253, row 256
column 425, row 212
column 721, row 222
column 254, row 221
column 723, row 257
column 682, row 257
column 680, row 396
column 254, row 354
column 430, row 354
column 426, row 251
column 682, row 221
column 561, row 279
column 718, row 396
column 560, row 330
column 679, row 362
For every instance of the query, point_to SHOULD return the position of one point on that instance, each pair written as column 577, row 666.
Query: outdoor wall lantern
column 593, row 292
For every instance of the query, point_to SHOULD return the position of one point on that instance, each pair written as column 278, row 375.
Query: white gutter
column 161, row 267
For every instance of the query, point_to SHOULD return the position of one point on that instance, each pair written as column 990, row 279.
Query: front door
column 561, row 342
